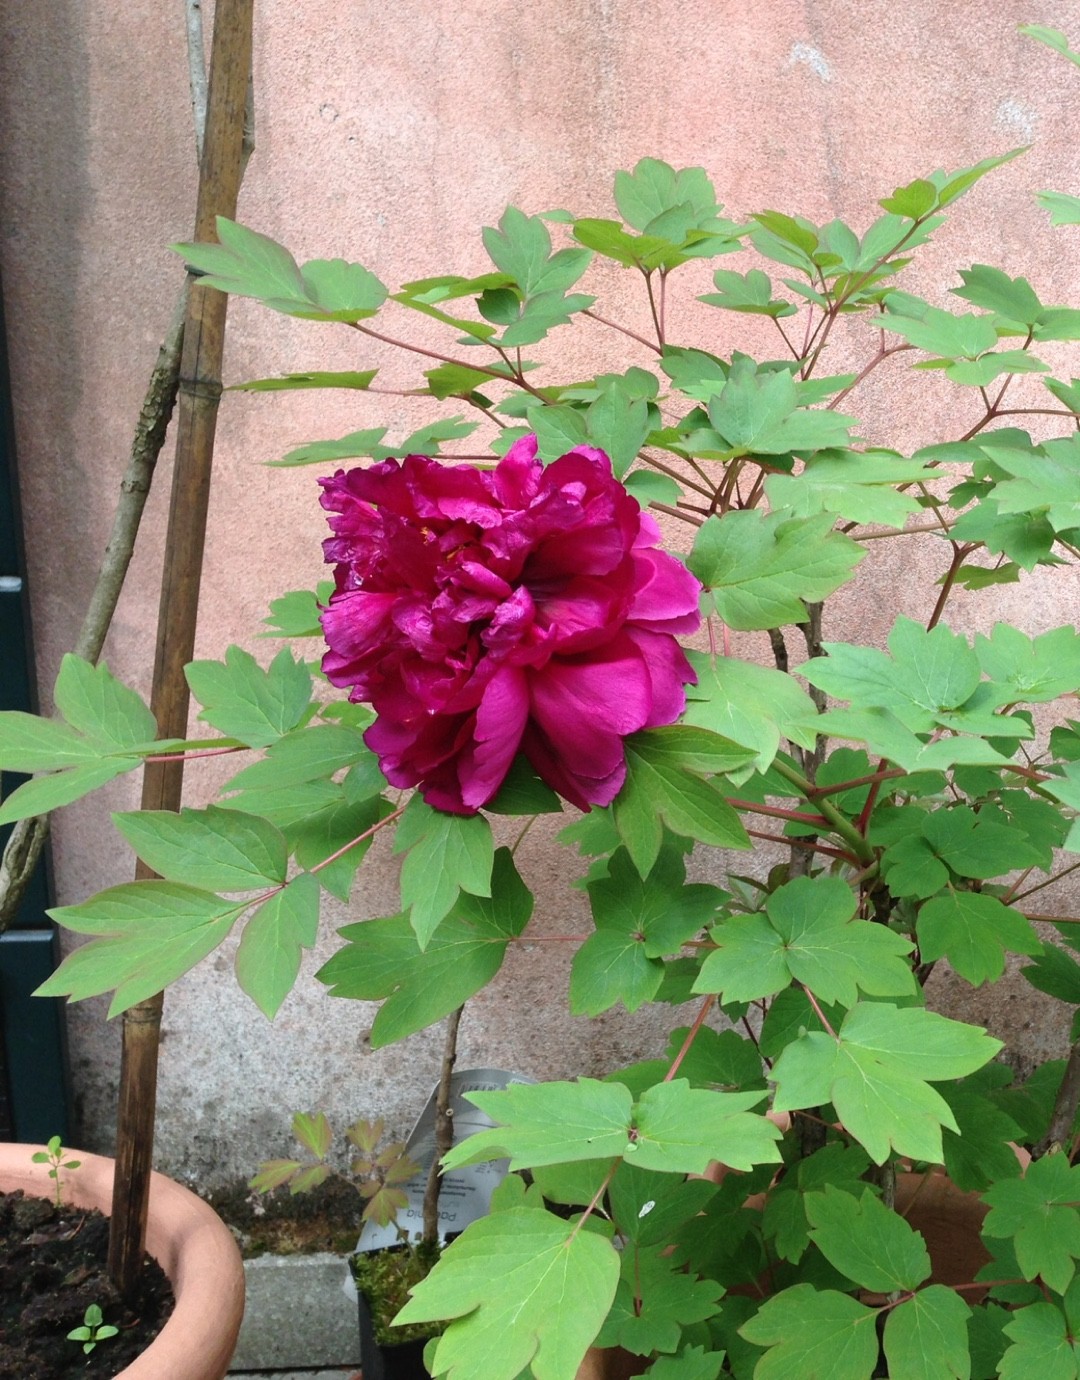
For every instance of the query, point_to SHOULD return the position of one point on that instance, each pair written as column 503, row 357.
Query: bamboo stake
column 199, row 391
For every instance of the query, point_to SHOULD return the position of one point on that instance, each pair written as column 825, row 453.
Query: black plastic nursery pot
column 396, row 1361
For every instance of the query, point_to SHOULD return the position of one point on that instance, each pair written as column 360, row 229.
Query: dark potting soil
column 52, row 1268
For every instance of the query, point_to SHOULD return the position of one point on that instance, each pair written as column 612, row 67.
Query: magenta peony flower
column 484, row 613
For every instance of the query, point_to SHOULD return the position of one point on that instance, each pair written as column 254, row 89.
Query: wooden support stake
column 200, row 388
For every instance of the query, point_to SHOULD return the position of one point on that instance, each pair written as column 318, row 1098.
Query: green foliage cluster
column 922, row 790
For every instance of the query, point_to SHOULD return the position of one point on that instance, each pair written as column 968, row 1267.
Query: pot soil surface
column 52, row 1267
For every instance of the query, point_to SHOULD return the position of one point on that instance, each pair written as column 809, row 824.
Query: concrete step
column 298, row 1320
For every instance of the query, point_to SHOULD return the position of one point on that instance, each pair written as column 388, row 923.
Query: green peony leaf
column 524, row 1288
column 356, row 379
column 221, row 850
column 96, row 704
column 521, row 248
column 244, row 701
column 926, row 1337
column 654, row 1301
column 682, row 1130
column 754, row 706
column 268, row 958
column 382, row 960
column 659, row 789
column 759, row 569
column 814, row 1336
column 974, row 931
column 150, row 933
column 759, row 413
column 45, row 793
column 1043, row 1344
column 862, row 486
column 877, row 1073
column 445, row 854
column 1038, row 1212
column 247, row 264
column 637, row 921
column 549, row 1123
column 808, row 933
column 866, row 1241
column 30, row 743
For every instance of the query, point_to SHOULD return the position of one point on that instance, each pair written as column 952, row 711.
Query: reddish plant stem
column 813, row 846
column 820, row 1014
column 776, row 812
column 623, row 330
column 960, row 554
column 691, row 1036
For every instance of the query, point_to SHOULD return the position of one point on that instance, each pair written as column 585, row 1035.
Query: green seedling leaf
column 313, row 1132
column 244, row 701
column 760, row 568
column 524, row 1288
column 268, row 958
column 445, row 854
column 221, row 850
column 383, row 961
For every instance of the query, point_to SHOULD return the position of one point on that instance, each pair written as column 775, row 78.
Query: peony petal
column 500, row 723
column 665, row 595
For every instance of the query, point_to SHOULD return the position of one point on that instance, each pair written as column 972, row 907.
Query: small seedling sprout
column 93, row 1330
column 54, row 1154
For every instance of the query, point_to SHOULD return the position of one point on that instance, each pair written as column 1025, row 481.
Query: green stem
column 831, row 814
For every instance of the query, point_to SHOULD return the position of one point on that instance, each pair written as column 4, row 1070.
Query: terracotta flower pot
column 189, row 1241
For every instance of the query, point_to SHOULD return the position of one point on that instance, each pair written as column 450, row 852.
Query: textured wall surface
column 390, row 135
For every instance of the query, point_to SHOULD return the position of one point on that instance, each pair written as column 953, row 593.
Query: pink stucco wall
column 390, row 135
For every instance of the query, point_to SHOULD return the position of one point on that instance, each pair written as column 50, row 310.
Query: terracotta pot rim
column 185, row 1236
